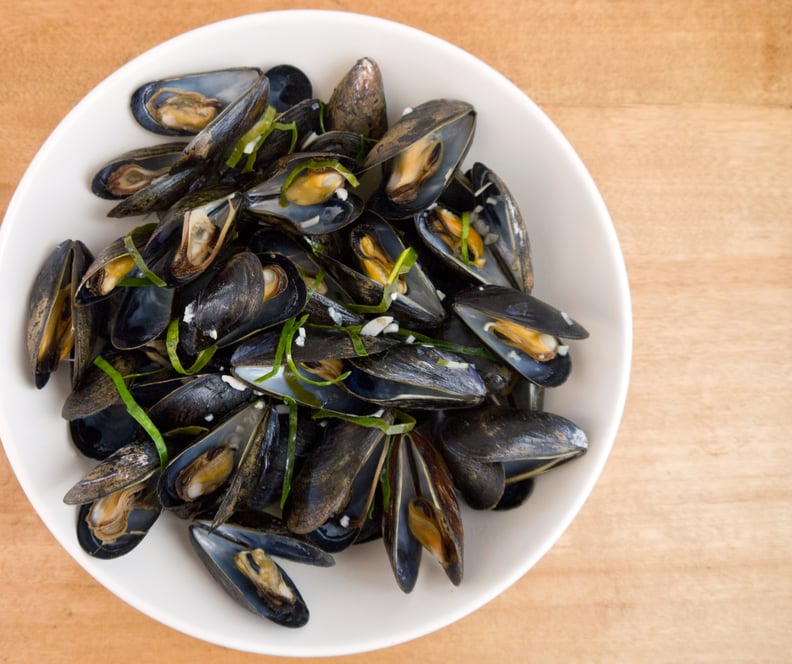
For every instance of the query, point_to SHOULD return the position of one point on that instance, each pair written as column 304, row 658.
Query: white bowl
column 356, row 605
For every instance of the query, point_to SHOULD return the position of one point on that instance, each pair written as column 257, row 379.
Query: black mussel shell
column 306, row 193
column 289, row 85
column 184, row 105
column 357, row 104
column 420, row 154
column 415, row 376
column 134, row 170
column 225, row 559
column 115, row 524
column 502, row 217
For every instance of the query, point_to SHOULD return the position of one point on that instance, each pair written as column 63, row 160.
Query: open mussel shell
column 134, row 170
column 341, row 474
column 440, row 228
column 184, row 105
column 415, row 376
column 422, row 511
column 307, row 193
column 248, row 293
column 115, row 524
column 326, row 295
column 191, row 235
column 483, row 443
column 318, row 355
column 363, row 267
column 357, row 104
column 222, row 466
column 504, row 223
column 56, row 328
column 420, row 154
column 250, row 576
column 522, row 330
column 109, row 267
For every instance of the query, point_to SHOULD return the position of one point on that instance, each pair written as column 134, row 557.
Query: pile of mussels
column 325, row 338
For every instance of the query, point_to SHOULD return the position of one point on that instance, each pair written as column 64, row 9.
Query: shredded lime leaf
column 172, row 345
column 134, row 409
column 442, row 344
column 291, row 449
column 293, row 366
column 403, row 264
column 322, row 129
column 257, row 133
column 403, row 423
column 284, row 352
column 129, row 243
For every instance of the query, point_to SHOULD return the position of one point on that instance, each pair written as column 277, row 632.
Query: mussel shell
column 246, row 434
column 261, row 530
column 100, row 434
column 289, row 85
column 489, row 273
column 161, row 193
column 155, row 158
column 514, row 305
column 108, row 268
column 418, row 474
column 143, row 315
column 135, row 516
column 500, row 210
column 201, row 400
column 233, row 305
column 485, row 304
column 452, row 122
column 346, row 143
column 216, row 141
column 494, row 434
column 357, row 104
column 404, row 551
column 217, row 553
column 56, row 329
column 420, row 307
column 131, row 464
column 339, row 210
column 326, row 482
column 415, row 376
column 223, row 86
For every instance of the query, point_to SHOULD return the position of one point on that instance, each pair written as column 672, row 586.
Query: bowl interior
column 579, row 268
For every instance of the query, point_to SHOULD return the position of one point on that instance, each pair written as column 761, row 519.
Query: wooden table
column 683, row 114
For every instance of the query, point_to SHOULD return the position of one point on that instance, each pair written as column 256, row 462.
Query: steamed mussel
column 323, row 336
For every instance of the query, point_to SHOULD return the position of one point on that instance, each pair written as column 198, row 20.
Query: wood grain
column 683, row 114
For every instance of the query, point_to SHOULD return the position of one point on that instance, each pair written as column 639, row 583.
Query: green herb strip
column 293, row 366
column 464, row 237
column 134, row 409
column 258, row 132
column 172, row 345
column 403, row 264
column 312, row 165
column 353, row 332
column 291, row 449
column 284, row 351
column 129, row 243
column 476, row 351
column 404, row 423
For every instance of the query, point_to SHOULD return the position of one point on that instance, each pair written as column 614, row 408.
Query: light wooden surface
column 683, row 114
